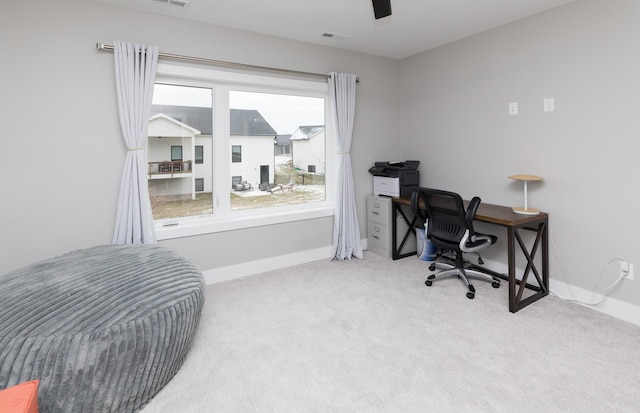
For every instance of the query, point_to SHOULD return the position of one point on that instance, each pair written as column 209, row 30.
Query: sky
column 284, row 113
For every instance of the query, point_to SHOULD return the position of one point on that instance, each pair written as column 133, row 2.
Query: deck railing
column 170, row 168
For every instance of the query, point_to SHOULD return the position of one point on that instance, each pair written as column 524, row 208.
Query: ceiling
column 414, row 27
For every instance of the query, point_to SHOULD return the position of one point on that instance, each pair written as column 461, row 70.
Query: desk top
column 495, row 214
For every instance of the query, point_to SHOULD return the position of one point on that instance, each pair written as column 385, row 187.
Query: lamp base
column 526, row 211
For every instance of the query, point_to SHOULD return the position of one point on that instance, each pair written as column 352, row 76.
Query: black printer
column 395, row 179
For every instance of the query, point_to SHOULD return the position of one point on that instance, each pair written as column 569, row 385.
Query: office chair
column 450, row 228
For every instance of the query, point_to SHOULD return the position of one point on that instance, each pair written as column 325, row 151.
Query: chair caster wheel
column 432, row 267
column 470, row 295
column 495, row 284
column 428, row 283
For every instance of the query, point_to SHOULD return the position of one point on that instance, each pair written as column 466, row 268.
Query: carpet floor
column 369, row 336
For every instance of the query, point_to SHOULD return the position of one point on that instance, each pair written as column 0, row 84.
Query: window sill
column 210, row 225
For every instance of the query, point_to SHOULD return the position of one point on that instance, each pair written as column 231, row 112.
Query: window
column 176, row 153
column 311, row 168
column 236, row 153
column 199, row 184
column 181, row 120
column 202, row 116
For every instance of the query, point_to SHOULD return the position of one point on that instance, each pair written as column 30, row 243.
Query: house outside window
column 224, row 115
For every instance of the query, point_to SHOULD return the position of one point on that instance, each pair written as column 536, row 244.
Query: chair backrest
column 448, row 220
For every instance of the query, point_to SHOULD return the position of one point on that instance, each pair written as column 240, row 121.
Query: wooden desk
column 505, row 217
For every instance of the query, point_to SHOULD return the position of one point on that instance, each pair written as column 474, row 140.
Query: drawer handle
column 375, row 212
column 375, row 236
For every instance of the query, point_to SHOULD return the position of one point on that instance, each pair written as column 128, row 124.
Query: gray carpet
column 369, row 336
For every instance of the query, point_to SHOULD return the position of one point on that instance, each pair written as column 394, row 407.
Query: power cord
column 564, row 273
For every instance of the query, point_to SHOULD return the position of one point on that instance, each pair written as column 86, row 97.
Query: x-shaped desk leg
column 516, row 302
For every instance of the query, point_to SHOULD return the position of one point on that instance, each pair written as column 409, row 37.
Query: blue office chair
column 450, row 228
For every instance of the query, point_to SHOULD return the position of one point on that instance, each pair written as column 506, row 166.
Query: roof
column 249, row 122
column 244, row 122
column 304, row 133
column 283, row 139
column 197, row 118
column 172, row 120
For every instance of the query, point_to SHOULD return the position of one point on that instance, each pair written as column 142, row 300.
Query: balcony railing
column 170, row 168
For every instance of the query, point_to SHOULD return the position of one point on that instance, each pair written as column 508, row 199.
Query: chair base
column 464, row 273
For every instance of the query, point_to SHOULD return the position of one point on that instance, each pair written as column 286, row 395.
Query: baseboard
column 610, row 306
column 232, row 272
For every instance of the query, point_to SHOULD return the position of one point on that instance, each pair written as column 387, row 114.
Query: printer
column 396, row 179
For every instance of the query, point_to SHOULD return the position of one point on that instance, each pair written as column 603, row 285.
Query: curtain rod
column 106, row 47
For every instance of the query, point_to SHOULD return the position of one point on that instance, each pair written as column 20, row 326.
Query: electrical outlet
column 626, row 270
column 513, row 108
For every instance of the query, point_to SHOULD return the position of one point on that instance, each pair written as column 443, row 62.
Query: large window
column 229, row 128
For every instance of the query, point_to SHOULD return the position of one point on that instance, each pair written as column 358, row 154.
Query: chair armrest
column 471, row 213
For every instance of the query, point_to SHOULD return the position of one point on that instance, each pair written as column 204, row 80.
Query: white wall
column 256, row 151
column 53, row 76
column 586, row 55
column 309, row 152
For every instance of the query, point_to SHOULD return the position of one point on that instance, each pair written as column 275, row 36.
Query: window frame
column 223, row 219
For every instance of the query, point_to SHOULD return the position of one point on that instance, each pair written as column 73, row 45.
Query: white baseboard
column 611, row 306
column 232, row 272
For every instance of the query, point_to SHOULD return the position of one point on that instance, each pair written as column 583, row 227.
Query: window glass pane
column 176, row 153
column 236, row 153
column 199, row 184
column 279, row 136
column 180, row 122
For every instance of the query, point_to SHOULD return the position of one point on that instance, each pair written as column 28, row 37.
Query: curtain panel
column 346, row 231
column 135, row 70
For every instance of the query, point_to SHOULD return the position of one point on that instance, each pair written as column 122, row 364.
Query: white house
column 308, row 148
column 180, row 149
column 252, row 148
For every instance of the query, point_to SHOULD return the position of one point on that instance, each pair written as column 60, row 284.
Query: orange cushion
column 21, row 398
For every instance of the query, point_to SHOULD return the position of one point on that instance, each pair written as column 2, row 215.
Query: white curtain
column 346, row 231
column 135, row 67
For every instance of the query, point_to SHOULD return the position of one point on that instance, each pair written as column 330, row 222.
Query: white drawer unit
column 379, row 225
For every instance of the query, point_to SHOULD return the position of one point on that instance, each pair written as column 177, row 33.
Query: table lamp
column 526, row 210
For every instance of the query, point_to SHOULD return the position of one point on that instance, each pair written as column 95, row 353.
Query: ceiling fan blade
column 381, row 8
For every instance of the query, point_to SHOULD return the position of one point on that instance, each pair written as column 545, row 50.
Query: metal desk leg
column 396, row 250
column 516, row 302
